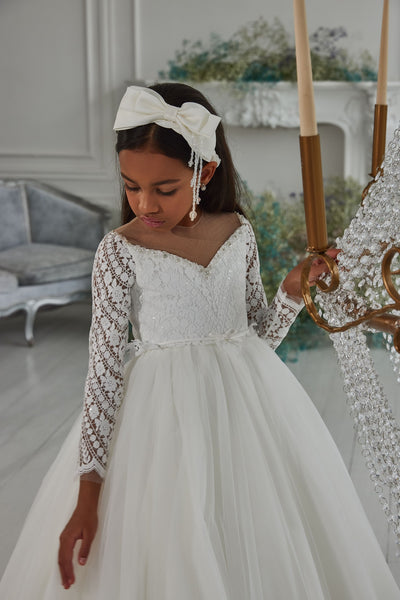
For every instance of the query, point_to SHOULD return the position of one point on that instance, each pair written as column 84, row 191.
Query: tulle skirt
column 223, row 484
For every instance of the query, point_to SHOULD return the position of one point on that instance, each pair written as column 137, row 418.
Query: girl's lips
column 152, row 222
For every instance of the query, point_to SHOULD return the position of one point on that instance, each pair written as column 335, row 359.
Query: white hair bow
column 193, row 121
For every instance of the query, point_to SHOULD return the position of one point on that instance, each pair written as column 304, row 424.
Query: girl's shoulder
column 129, row 231
column 221, row 226
column 228, row 219
column 243, row 222
column 114, row 251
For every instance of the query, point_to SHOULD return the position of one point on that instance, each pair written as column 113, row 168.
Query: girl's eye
column 136, row 189
column 171, row 193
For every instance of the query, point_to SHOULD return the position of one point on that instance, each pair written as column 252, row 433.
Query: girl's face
column 158, row 188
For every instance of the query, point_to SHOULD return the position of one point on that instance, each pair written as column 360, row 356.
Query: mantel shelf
column 346, row 105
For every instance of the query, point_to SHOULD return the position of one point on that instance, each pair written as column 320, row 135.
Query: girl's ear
column 208, row 172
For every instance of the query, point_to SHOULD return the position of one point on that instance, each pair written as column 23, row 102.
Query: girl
column 206, row 473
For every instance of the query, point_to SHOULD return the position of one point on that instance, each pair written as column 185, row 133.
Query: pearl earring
column 203, row 187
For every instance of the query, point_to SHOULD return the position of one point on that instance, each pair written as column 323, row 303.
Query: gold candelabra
column 314, row 206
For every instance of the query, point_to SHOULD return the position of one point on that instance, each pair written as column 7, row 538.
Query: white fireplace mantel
column 348, row 106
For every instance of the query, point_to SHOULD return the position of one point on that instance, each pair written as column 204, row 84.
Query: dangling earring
column 197, row 162
column 193, row 213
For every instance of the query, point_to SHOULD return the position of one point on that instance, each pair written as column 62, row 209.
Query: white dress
column 222, row 481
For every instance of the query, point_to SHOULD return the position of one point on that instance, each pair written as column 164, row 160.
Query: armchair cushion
column 33, row 264
column 8, row 282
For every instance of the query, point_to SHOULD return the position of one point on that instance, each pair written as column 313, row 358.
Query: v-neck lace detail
column 228, row 242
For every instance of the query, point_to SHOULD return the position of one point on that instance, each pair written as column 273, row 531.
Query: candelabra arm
column 387, row 273
column 375, row 318
column 389, row 324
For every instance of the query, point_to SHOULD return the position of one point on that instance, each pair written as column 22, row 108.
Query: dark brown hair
column 224, row 191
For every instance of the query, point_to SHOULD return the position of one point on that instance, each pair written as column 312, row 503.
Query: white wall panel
column 46, row 80
column 62, row 65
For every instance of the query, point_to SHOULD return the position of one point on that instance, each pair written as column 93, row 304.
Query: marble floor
column 41, row 394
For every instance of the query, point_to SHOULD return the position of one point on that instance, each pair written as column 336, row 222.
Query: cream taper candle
column 308, row 123
column 381, row 90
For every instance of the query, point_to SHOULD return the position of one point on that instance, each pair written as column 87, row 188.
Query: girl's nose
column 148, row 202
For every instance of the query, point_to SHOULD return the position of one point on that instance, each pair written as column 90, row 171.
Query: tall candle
column 308, row 123
column 381, row 96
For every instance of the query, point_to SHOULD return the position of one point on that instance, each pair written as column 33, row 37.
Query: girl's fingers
column 65, row 553
column 320, row 265
column 333, row 252
column 85, row 548
column 80, row 527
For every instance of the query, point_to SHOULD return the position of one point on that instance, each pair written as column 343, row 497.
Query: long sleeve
column 272, row 322
column 112, row 278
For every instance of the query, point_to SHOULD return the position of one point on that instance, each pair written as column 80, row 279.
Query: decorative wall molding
column 55, row 160
column 104, row 28
column 348, row 106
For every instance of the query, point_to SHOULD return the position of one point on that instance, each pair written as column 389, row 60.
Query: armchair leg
column 31, row 308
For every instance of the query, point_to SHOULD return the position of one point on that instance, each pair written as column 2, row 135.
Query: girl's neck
column 193, row 224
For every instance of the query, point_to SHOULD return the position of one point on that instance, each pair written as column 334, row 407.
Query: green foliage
column 262, row 51
column 279, row 226
column 342, row 199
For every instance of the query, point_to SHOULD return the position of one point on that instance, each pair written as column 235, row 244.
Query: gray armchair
column 48, row 240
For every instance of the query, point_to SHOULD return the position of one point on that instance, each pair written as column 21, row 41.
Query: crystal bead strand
column 374, row 229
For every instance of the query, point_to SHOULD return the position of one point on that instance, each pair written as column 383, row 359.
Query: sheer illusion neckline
column 199, row 220
column 226, row 244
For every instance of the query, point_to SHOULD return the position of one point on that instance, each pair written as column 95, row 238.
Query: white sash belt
column 137, row 347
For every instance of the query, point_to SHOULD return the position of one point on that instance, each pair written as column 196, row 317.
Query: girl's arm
column 113, row 277
column 112, row 280
column 273, row 322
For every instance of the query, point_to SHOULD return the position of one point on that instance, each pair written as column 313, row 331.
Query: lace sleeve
column 112, row 278
column 272, row 322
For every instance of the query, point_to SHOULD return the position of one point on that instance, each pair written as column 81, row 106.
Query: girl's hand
column 81, row 526
column 292, row 282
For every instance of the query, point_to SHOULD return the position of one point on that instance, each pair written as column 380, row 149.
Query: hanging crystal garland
column 373, row 231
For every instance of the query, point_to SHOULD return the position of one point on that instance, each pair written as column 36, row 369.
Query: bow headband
column 140, row 106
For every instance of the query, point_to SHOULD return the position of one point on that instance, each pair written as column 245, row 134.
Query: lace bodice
column 168, row 300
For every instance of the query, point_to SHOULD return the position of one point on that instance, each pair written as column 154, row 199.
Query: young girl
column 206, row 473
